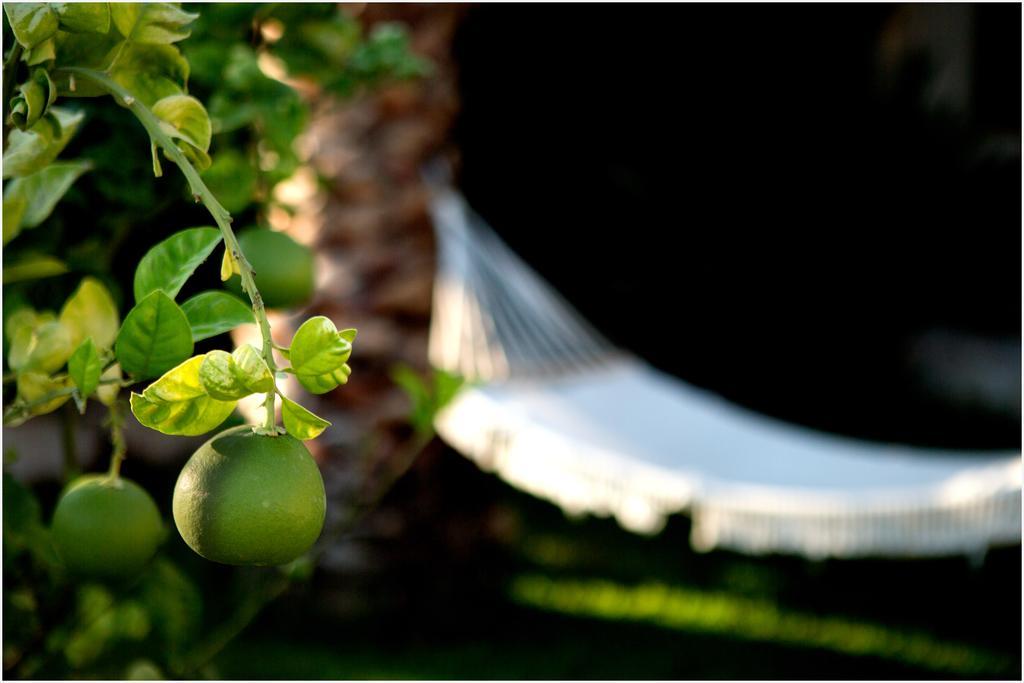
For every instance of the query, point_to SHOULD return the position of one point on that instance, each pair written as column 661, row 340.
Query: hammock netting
column 556, row 410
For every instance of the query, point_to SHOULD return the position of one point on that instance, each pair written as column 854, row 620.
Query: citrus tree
column 251, row 495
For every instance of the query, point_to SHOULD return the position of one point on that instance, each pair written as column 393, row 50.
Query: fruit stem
column 202, row 193
column 117, row 439
column 269, row 405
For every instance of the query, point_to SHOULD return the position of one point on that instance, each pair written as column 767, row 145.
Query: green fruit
column 106, row 528
column 244, row 498
column 284, row 268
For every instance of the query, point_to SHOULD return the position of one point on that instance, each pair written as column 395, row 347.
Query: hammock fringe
column 539, row 418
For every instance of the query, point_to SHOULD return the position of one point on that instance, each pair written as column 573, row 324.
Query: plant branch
column 201, row 193
column 120, row 448
column 16, row 409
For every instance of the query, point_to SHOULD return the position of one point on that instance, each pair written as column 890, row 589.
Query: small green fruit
column 244, row 498
column 106, row 528
column 284, row 268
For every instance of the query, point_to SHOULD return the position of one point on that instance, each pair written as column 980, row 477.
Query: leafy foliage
column 252, row 120
column 34, row 196
column 31, row 150
column 80, row 220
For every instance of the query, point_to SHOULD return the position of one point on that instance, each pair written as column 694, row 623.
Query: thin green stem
column 270, row 406
column 17, row 409
column 120, row 448
column 201, row 193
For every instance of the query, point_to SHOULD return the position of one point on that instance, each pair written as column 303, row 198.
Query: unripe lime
column 244, row 498
column 106, row 528
column 284, row 268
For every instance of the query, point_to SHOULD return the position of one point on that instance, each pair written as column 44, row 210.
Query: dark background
column 812, row 210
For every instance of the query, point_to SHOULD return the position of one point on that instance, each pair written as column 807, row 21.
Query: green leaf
column 154, row 338
column 318, row 354
column 318, row 347
column 328, row 381
column 42, row 190
column 85, row 368
column 446, row 387
column 36, row 386
column 301, row 423
column 23, row 342
column 212, row 313
column 107, row 393
column 42, row 52
column 91, row 312
column 156, row 23
column 184, row 118
column 31, row 22
column 43, row 348
column 234, row 376
column 14, row 209
column 218, row 379
column 34, row 96
column 178, row 404
column 169, row 264
column 253, row 369
column 33, row 267
column 149, row 72
column 86, row 50
column 31, row 150
column 83, row 17
column 25, row 317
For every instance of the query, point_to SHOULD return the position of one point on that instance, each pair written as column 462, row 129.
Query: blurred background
column 813, row 211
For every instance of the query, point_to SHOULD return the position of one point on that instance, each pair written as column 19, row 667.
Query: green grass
column 683, row 609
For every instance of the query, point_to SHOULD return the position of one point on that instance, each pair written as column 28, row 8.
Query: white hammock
column 560, row 413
